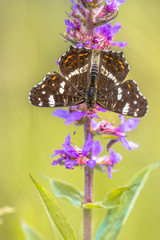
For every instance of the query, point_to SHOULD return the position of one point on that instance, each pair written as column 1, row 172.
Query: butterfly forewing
column 125, row 99
column 113, row 69
column 75, row 67
column 55, row 91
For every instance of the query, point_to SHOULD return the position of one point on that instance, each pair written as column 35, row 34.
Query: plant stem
column 88, row 187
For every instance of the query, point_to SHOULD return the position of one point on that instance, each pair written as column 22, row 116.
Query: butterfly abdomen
column 93, row 75
column 91, row 92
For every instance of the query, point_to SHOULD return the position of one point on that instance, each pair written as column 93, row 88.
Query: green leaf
column 112, row 200
column 55, row 213
column 66, row 190
column 30, row 233
column 116, row 218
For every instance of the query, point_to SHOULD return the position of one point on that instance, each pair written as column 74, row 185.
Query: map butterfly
column 83, row 81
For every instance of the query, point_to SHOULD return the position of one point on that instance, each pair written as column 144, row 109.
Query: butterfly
column 82, row 80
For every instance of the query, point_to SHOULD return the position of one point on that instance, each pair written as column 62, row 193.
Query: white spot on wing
column 135, row 102
column 78, row 71
column 43, row 92
column 104, row 71
column 61, row 90
column 112, row 77
column 125, row 109
column 63, row 84
column 119, row 96
column 51, row 101
column 40, row 104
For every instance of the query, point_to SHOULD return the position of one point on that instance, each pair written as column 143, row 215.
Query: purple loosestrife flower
column 102, row 37
column 70, row 156
column 106, row 128
column 73, row 156
column 113, row 5
column 76, row 113
column 109, row 161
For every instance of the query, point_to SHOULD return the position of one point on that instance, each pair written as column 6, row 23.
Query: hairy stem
column 89, row 22
column 88, row 187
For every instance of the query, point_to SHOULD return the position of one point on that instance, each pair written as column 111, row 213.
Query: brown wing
column 125, row 99
column 75, row 66
column 55, row 91
column 113, row 69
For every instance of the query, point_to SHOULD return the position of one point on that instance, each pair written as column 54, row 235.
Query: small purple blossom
column 102, row 36
column 113, row 5
column 76, row 113
column 109, row 161
column 70, row 156
column 73, row 156
column 107, row 128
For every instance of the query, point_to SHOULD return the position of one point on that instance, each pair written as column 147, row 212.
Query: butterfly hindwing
column 125, row 99
column 55, row 91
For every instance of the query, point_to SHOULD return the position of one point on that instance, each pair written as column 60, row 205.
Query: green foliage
column 116, row 218
column 55, row 213
column 112, row 200
column 66, row 190
column 30, row 233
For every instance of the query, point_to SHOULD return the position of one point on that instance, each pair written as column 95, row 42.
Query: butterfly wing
column 55, row 91
column 125, row 99
column 113, row 69
column 67, row 90
column 75, row 67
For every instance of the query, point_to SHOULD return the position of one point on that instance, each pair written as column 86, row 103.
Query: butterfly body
column 81, row 81
column 91, row 91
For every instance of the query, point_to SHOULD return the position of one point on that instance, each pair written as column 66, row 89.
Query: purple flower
column 103, row 33
column 106, row 128
column 73, row 156
column 70, row 156
column 109, row 161
column 127, row 126
column 112, row 5
column 76, row 113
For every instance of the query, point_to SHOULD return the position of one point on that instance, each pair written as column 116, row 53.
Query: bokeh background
column 30, row 44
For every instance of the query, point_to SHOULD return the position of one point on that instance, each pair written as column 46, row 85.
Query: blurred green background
column 30, row 44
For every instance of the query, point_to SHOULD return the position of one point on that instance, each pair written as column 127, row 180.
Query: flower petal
column 91, row 163
column 122, row 118
column 116, row 28
column 74, row 116
column 119, row 2
column 87, row 147
column 122, row 44
column 68, row 148
column 70, row 163
column 61, row 113
column 114, row 157
column 58, row 161
column 57, row 152
column 109, row 171
column 129, row 125
column 67, row 140
column 128, row 144
column 97, row 148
